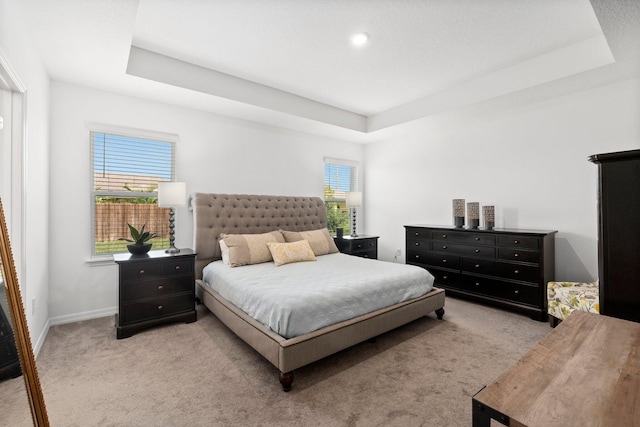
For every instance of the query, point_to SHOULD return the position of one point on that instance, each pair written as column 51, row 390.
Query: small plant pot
column 139, row 249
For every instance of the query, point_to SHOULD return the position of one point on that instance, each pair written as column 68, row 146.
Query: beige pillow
column 320, row 240
column 246, row 249
column 284, row 253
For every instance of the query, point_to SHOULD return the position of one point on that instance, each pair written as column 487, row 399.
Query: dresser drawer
column 525, row 273
column 418, row 244
column 479, row 266
column 521, row 242
column 500, row 289
column 509, row 254
column 157, row 288
column 156, row 307
column 134, row 272
column 445, row 278
column 413, row 232
column 464, row 237
column 437, row 260
column 476, row 251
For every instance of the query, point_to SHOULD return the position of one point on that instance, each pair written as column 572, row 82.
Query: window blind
column 340, row 177
column 126, row 171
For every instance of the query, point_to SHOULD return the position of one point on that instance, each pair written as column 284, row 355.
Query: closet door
column 619, row 233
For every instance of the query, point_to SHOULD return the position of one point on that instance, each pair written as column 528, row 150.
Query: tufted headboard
column 248, row 214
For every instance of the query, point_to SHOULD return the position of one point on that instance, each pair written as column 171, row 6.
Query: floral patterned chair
column 565, row 297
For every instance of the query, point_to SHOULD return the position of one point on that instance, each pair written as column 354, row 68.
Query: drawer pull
column 177, row 267
column 417, row 233
column 515, row 242
column 417, row 243
column 444, row 236
column 477, row 266
column 477, row 251
column 477, row 238
column 516, row 292
column 477, row 283
column 516, row 255
column 160, row 287
column 160, row 308
column 516, row 271
column 141, row 271
column 444, row 261
column 445, row 277
column 444, row 246
column 417, row 256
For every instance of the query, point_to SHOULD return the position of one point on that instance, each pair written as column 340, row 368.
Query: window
column 126, row 171
column 340, row 177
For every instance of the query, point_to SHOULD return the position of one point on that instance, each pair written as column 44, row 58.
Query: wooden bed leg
column 440, row 313
column 286, row 378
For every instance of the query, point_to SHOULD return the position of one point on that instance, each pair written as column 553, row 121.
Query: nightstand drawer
column 362, row 246
column 139, row 271
column 177, row 266
column 156, row 308
column 157, row 288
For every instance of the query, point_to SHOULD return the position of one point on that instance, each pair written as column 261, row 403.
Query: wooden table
column 585, row 372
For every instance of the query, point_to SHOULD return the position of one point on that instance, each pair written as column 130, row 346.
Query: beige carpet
column 200, row 374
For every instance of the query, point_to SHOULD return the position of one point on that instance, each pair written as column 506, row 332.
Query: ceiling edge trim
column 164, row 69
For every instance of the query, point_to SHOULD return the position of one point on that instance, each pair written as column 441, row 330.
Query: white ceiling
column 290, row 62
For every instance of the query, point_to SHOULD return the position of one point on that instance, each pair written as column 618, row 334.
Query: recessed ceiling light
column 360, row 39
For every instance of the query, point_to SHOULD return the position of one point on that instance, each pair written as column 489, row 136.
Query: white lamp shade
column 172, row 194
column 354, row 199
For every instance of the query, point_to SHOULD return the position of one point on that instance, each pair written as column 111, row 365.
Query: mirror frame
column 20, row 328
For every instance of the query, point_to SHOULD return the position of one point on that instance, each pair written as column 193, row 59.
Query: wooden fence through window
column 112, row 220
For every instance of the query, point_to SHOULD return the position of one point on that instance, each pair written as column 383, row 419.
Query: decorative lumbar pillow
column 246, row 249
column 285, row 253
column 320, row 240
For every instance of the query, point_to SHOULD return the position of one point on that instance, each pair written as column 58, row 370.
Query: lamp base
column 172, row 250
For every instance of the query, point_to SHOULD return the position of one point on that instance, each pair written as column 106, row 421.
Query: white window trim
column 97, row 127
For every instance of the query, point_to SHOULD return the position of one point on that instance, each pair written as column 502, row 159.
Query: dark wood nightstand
column 153, row 289
column 362, row 245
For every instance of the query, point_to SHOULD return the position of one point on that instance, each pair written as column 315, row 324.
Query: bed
column 237, row 214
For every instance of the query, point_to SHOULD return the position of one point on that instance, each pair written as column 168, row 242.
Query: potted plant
column 139, row 240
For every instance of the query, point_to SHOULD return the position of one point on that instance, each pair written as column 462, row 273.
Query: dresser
column 619, row 233
column 153, row 289
column 504, row 267
column 363, row 246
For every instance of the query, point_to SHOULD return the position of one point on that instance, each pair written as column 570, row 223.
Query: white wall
column 531, row 164
column 214, row 154
column 23, row 58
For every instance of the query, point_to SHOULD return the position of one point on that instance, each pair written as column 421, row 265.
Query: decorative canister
column 473, row 212
column 458, row 213
column 488, row 213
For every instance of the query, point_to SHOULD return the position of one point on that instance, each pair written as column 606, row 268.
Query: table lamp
column 354, row 200
column 172, row 195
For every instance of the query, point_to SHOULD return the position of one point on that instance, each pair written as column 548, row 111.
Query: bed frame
column 239, row 213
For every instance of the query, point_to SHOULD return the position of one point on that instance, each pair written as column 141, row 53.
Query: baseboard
column 37, row 344
column 86, row 315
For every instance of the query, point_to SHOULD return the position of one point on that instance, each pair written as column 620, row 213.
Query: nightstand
column 153, row 289
column 362, row 245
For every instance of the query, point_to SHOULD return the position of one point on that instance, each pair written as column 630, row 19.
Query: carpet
column 201, row 374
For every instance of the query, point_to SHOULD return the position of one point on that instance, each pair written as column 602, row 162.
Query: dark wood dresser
column 153, row 289
column 362, row 246
column 619, row 233
column 509, row 268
